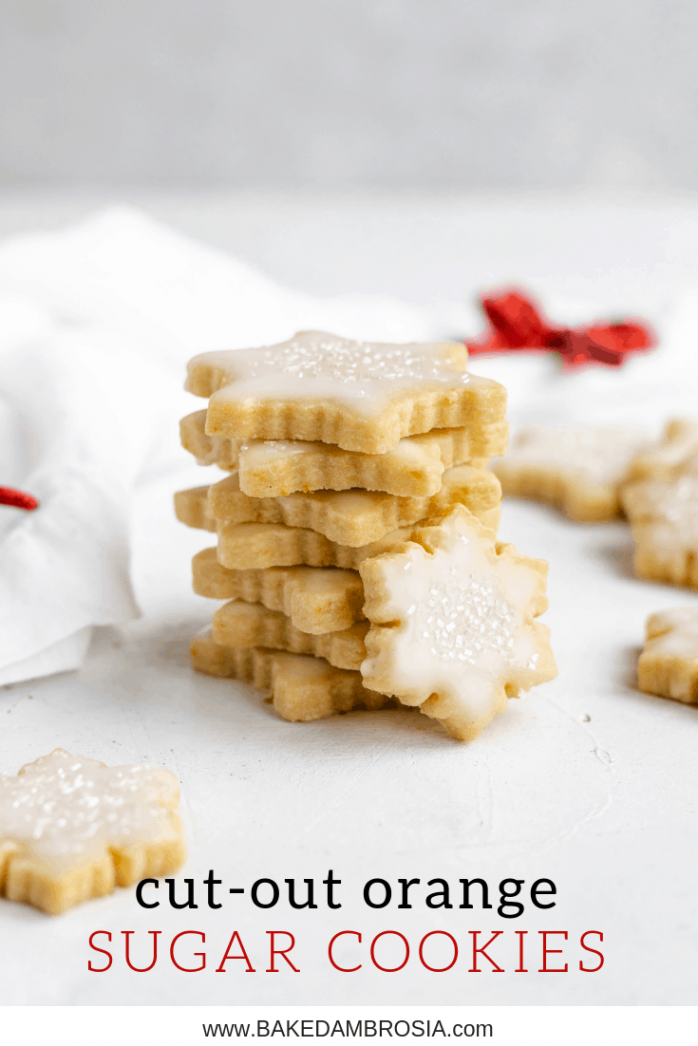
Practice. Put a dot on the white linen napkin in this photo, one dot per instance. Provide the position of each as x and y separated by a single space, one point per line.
96 325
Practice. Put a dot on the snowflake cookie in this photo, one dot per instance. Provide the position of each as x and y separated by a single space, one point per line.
579 469
316 599
452 627
662 506
363 396
668 664
302 688
413 468
72 828
349 517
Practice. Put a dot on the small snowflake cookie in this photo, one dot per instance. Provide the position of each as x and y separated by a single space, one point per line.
662 506
360 395
579 469
72 828
668 664
452 623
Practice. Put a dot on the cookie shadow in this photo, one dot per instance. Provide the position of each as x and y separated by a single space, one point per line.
626 670
619 557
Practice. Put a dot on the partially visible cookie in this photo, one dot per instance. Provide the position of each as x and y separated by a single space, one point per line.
662 506
316 599
668 664
353 517
675 455
72 828
253 546
244 546
239 624
208 450
413 468
303 688
362 396
191 508
452 623
580 469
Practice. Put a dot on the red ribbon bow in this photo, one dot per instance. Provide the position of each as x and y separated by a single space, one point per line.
516 323
17 499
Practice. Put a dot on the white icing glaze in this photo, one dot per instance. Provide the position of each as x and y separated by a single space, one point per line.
255 453
679 636
662 501
265 451
602 455
221 449
314 364
462 618
678 502
65 808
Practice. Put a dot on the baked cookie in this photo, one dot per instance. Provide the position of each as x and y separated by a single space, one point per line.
452 623
72 828
361 396
580 469
191 508
668 665
413 468
245 546
302 688
316 599
353 517
675 455
664 519
662 506
239 625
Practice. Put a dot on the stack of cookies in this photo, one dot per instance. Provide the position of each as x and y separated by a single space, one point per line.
356 531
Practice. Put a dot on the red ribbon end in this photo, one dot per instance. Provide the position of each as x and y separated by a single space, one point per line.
18 499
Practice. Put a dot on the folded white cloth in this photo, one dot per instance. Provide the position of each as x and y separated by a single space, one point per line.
96 325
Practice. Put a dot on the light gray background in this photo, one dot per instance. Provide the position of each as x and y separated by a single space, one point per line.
367 94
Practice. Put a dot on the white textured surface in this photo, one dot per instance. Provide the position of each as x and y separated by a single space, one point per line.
587 781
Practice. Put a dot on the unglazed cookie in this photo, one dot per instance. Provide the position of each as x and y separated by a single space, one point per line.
662 506
239 624
413 468
72 828
668 665
316 599
452 623
352 517
191 508
244 546
580 469
361 396
208 450
302 688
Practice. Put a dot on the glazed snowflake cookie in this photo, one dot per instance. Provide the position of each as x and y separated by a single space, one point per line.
662 506
452 623
668 664
414 468
578 468
362 396
72 828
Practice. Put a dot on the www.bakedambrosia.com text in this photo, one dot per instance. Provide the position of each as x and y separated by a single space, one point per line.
365 1028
